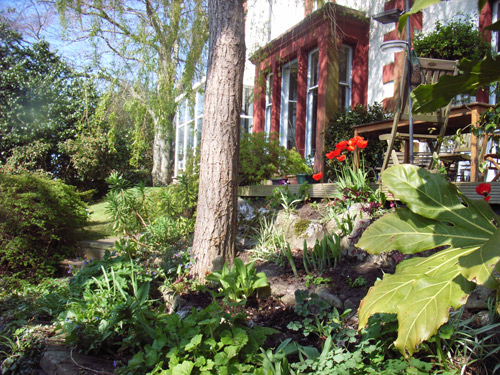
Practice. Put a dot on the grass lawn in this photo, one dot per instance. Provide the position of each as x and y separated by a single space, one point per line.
99 223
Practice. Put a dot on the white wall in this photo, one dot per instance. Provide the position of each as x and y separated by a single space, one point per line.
267 19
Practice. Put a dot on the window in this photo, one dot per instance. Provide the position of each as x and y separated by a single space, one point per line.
345 73
189 119
247 110
495 44
269 103
288 104
312 102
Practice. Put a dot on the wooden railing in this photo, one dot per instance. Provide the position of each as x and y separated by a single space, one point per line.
330 189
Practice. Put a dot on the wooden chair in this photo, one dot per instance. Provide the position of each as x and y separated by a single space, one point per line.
430 71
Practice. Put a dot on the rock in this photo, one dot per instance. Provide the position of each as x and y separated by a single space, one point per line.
289 300
217 264
478 299
349 304
482 318
60 360
245 210
297 229
332 299
264 292
271 270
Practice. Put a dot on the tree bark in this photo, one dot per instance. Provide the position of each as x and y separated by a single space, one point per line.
161 171
216 221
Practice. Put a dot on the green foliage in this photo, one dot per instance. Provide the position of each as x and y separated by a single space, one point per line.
283 197
271 242
323 255
438 216
316 280
262 157
42 100
474 73
239 282
353 187
24 311
109 307
457 39
209 341
39 219
156 219
358 282
340 127
318 316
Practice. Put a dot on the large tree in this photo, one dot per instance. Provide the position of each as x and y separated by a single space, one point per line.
216 221
151 48
43 99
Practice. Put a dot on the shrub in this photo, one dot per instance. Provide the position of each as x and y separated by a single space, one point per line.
38 222
340 128
262 157
457 39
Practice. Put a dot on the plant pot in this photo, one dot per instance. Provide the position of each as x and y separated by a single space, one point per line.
302 178
279 181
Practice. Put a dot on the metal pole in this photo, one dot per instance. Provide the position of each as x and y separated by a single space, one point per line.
410 103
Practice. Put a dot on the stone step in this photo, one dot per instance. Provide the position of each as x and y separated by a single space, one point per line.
60 360
87 251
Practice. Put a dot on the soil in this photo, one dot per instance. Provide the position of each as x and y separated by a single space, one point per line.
274 313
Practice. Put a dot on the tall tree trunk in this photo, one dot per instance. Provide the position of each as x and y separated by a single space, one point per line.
216 221
161 159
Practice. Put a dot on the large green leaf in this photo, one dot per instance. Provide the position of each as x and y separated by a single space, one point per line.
474 74
479 265
422 290
418 5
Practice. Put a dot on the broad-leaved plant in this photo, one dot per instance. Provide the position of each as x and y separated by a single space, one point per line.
423 289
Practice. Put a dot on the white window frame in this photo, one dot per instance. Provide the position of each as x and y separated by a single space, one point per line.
247 95
285 102
188 128
495 35
312 95
347 84
269 103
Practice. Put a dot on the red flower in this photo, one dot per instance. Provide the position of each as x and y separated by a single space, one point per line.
483 189
341 158
487 199
332 154
318 176
341 145
351 148
362 143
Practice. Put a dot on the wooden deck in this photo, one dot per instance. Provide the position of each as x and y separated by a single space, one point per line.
328 190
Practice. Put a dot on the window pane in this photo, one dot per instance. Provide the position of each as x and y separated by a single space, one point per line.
343 64
313 69
200 98
182 111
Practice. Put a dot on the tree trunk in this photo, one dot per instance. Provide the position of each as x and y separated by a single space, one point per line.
161 159
216 221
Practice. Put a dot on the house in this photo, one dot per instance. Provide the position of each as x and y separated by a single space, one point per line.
306 60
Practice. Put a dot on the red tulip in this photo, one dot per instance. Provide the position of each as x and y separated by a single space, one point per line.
318 176
341 145
362 143
351 148
341 158
483 189
332 154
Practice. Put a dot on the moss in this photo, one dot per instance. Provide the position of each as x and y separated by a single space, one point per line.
301 226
